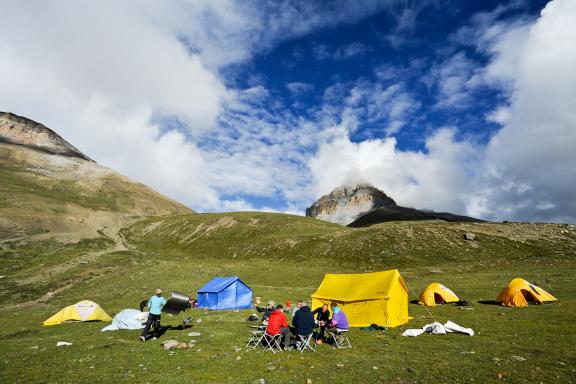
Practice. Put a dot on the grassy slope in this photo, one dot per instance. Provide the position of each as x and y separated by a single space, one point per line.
37 196
284 257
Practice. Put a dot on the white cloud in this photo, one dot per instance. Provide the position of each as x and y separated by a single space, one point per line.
299 88
454 80
535 147
389 105
417 179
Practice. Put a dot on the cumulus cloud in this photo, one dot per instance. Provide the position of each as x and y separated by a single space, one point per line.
421 179
534 153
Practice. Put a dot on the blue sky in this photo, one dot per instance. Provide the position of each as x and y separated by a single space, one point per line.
461 106
384 50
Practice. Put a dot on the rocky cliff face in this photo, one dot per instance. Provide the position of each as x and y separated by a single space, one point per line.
347 203
20 130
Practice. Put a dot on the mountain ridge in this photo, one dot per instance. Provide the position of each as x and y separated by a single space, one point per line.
20 130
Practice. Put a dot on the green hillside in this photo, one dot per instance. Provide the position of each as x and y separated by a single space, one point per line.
43 194
285 257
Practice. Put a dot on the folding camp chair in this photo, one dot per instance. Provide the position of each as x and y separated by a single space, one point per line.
305 342
255 338
271 342
340 337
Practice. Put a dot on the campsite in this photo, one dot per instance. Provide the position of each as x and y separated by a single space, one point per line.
531 344
288 192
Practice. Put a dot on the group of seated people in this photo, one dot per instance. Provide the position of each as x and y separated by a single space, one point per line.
304 321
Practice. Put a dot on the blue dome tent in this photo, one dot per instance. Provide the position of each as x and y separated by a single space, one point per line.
225 293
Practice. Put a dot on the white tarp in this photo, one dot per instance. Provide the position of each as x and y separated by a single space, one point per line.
413 332
127 319
438 329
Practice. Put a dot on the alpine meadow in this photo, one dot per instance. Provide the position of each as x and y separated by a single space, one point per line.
373 191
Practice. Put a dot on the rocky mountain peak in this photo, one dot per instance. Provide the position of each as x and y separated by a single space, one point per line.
20 130
346 203
363 205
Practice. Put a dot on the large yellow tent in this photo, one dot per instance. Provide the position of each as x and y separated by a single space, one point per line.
84 310
437 293
519 292
366 298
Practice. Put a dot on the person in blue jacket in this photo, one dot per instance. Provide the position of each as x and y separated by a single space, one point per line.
155 304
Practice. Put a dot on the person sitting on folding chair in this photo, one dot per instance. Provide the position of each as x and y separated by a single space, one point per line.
339 322
278 325
266 310
296 308
322 319
303 322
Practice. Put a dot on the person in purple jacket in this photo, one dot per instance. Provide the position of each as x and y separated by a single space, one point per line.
339 319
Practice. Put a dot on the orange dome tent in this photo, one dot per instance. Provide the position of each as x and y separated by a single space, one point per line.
520 292
436 293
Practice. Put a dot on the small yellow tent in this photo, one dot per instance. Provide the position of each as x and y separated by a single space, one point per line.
519 292
437 293
84 310
366 298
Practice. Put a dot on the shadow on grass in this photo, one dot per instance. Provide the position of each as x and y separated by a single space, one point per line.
165 328
488 302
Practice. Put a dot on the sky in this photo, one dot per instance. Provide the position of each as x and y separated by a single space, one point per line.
460 106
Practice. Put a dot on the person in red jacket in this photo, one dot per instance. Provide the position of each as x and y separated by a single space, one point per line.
278 325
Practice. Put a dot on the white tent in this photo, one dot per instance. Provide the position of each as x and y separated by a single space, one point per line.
127 319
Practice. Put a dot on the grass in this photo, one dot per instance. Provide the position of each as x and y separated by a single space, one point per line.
284 257
21 184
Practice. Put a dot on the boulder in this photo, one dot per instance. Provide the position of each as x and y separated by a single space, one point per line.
469 236
170 344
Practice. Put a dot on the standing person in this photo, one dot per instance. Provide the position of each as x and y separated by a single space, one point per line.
295 309
278 325
303 321
155 304
322 317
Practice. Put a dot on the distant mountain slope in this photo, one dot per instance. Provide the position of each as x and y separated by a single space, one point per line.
397 213
362 205
244 236
49 186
